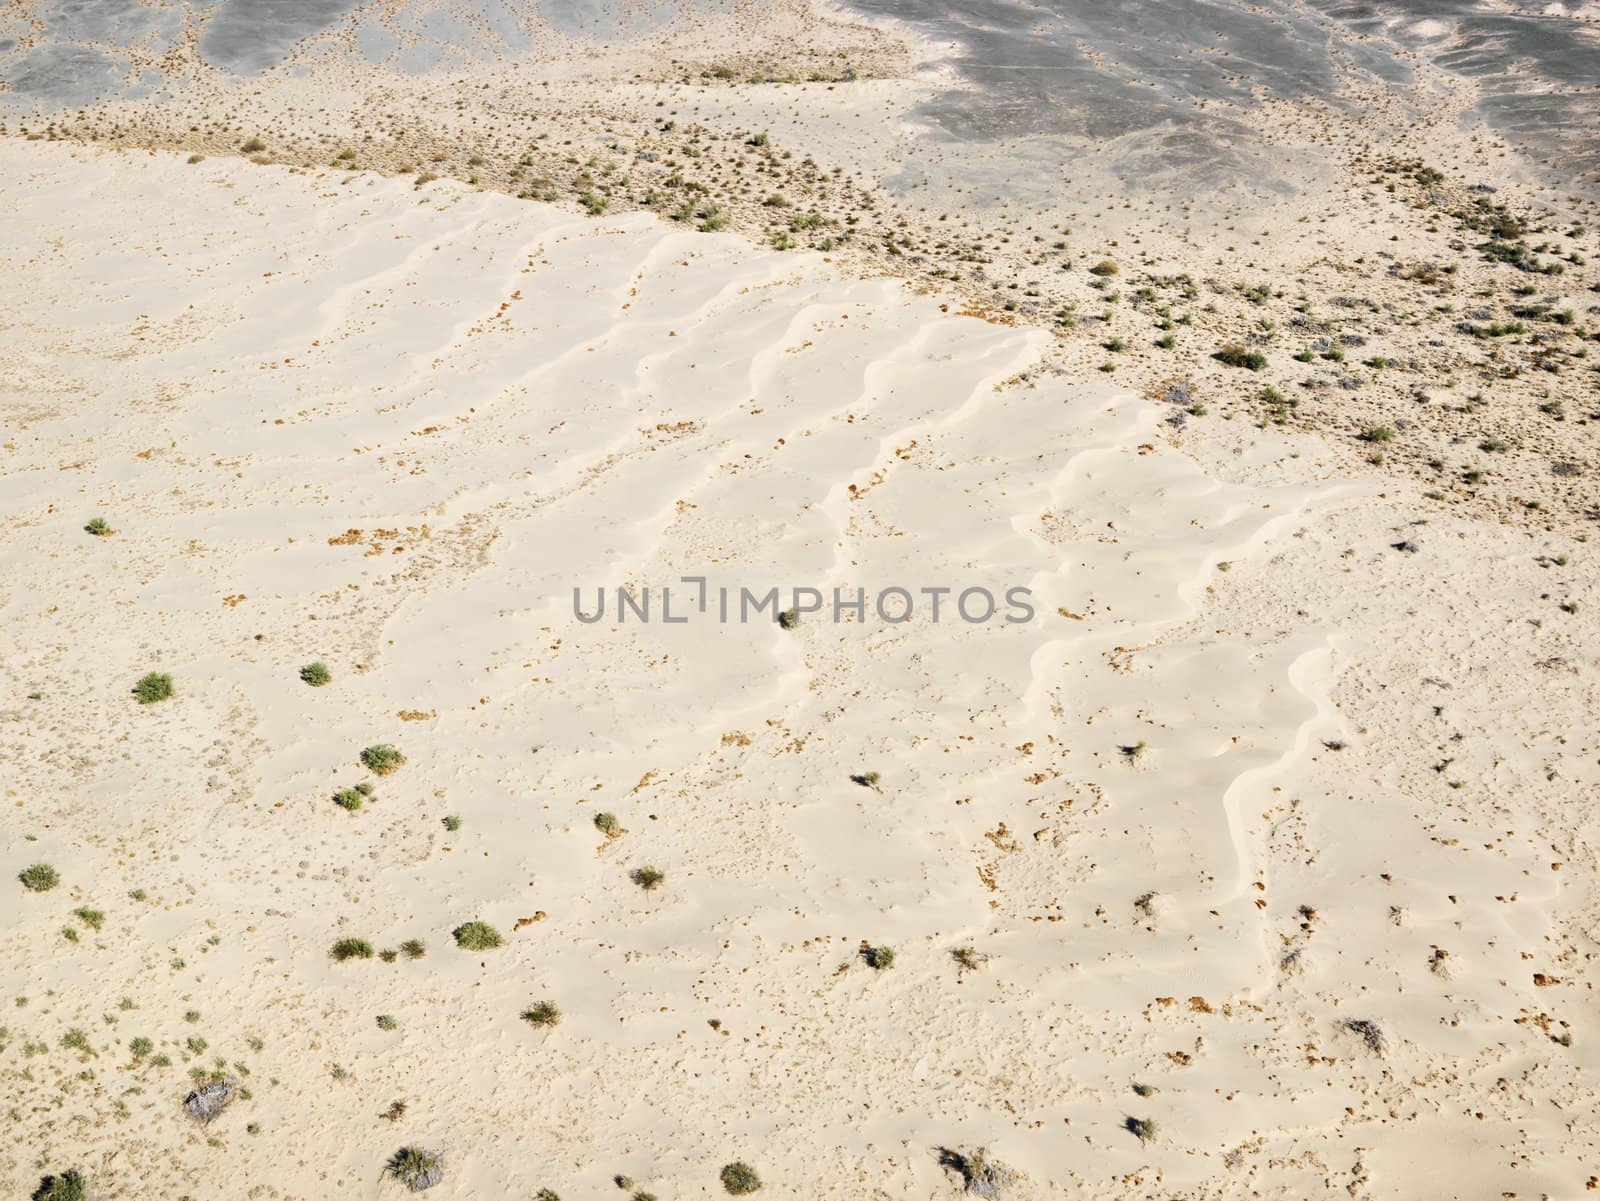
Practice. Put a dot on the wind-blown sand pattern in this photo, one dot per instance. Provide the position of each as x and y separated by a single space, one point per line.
1273 831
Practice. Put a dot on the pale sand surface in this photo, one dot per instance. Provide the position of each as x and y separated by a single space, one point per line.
1365 791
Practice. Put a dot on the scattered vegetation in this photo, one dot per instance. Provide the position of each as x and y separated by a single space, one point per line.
981 1174
542 1014
315 674
648 878
1144 1129
878 958
416 1167
1234 355
381 759
740 1178
39 877
69 1186
350 948
156 686
477 936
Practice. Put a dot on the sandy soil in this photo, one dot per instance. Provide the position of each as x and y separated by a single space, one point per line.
1262 863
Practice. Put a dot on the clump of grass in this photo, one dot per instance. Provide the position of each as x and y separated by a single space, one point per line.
968 959
99 527
878 958
451 823
387 1021
396 1111
981 1174
788 619
69 1186
413 948
1370 1033
140 1047
416 1167
1105 268
648 878
542 1014
607 824
92 918
381 759
1144 1129
1377 433
156 686
350 948
740 1178
316 674
253 146
868 779
477 936
40 877
1234 355
348 799
1133 751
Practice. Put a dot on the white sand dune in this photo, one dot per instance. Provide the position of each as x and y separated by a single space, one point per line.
336 418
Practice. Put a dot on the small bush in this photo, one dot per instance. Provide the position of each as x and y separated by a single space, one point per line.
69 1186
413 948
878 958
382 759
607 824
253 146
387 1021
98 527
648 878
416 1168
350 948
156 686
1105 268
1144 1129
315 674
41 877
477 936
1377 433
867 779
140 1047
348 799
740 1178
981 1174
451 823
92 918
543 1014
1234 355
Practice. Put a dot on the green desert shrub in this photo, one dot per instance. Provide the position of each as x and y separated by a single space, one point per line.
381 759
542 1013
348 799
477 936
98 527
253 146
1104 269
416 1167
1234 355
607 824
350 948
92 918
740 1178
69 1186
156 686
40 877
315 674
878 958
413 948
1144 1129
648 878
